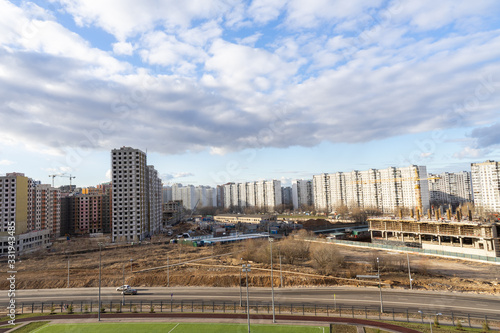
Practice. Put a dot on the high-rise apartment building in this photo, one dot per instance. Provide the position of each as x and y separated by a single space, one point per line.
136 195
46 208
286 195
191 196
263 195
321 190
486 185
15 197
302 193
385 189
34 217
450 188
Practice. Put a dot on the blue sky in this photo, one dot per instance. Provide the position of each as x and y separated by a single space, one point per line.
223 90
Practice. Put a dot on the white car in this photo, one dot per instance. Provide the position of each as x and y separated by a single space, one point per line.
124 287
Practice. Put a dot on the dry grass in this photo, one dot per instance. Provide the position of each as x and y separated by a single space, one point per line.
50 270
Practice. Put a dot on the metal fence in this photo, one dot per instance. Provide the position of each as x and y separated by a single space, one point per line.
298 309
419 250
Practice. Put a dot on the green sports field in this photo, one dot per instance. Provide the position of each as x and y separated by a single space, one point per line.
177 328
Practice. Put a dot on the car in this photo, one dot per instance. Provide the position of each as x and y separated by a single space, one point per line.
129 292
122 288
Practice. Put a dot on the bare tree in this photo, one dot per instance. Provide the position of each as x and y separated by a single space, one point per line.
294 249
326 259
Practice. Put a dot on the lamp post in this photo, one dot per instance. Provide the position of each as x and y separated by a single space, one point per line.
380 287
409 272
168 271
123 294
246 269
99 310
68 271
240 286
281 276
272 282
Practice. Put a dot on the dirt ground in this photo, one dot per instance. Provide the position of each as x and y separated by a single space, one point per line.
51 270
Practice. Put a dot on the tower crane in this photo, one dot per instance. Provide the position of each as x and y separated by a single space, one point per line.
62 175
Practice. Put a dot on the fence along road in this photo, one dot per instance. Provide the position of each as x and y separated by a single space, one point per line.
478 305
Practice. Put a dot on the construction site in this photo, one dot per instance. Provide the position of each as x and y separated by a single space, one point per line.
453 236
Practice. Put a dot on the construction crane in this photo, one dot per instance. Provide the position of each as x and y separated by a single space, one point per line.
62 175
53 176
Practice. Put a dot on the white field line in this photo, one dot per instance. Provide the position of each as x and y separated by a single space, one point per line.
174 328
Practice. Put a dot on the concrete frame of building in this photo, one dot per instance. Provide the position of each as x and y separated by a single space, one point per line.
459 237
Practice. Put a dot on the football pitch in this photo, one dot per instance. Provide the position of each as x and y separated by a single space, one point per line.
178 328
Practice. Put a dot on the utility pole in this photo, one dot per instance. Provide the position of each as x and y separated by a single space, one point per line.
68 272
272 282
380 287
409 272
123 291
246 268
281 276
99 310
168 271
240 286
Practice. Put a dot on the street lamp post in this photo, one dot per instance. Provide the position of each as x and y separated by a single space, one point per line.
272 281
246 269
123 294
281 276
68 272
380 287
168 271
409 272
99 310
240 286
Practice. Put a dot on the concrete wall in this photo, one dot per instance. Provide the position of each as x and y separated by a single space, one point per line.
457 249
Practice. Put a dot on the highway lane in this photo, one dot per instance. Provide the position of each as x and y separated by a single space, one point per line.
399 299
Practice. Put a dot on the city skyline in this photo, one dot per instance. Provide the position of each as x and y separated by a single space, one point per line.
230 91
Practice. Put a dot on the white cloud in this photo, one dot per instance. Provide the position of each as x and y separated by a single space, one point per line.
198 90
470 152
127 18
123 48
6 162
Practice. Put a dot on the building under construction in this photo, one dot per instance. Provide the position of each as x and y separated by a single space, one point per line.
468 237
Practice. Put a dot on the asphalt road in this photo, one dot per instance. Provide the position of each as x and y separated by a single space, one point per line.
398 299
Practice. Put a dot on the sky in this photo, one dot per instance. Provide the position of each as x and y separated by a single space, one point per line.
226 90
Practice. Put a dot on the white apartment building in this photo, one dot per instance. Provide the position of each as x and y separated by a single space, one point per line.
205 196
166 194
486 185
264 195
136 192
450 188
385 189
321 189
250 195
242 195
272 194
302 193
228 195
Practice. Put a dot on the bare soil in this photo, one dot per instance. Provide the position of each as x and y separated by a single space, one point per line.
50 270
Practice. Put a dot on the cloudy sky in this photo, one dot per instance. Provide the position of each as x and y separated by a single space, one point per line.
227 90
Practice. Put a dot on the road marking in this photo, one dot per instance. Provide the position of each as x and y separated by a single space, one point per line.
174 328
38 329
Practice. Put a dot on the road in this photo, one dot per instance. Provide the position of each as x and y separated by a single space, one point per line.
345 296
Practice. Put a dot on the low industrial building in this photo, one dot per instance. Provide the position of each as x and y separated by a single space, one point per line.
28 242
465 237
250 219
